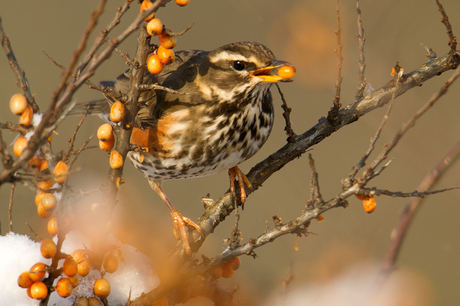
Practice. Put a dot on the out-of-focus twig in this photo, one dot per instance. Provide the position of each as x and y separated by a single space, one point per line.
10 209
362 66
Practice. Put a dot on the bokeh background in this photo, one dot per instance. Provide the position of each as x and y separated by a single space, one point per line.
301 32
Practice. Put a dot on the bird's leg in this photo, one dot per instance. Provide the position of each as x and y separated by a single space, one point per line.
242 179
179 221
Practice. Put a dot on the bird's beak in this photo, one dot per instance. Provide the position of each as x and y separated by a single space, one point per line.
270 72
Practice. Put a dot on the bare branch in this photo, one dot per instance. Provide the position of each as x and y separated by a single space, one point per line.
287 117
10 209
399 232
452 39
362 66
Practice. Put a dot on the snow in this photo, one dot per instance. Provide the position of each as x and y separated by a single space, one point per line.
19 253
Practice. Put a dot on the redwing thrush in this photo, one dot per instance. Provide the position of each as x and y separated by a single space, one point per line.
218 114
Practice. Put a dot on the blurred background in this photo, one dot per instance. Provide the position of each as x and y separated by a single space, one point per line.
301 32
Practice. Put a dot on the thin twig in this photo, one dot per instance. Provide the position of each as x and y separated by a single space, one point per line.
445 20
37 236
332 114
10 209
77 53
362 66
399 232
287 117
21 79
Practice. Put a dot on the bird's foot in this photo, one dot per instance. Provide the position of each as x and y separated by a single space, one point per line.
233 173
180 231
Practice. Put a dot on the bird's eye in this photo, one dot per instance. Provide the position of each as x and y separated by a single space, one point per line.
239 65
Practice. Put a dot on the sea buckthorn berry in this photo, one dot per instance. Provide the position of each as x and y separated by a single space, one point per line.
53 227
60 172
230 267
154 65
110 263
226 273
36 160
94 301
161 302
360 197
27 115
217 271
78 254
166 55
37 272
74 280
45 185
105 132
167 41
369 204
18 104
116 160
64 287
42 212
286 72
106 145
144 6
39 196
19 145
117 112
83 266
48 248
44 165
49 201
154 27
70 267
102 288
182 2
38 290
24 280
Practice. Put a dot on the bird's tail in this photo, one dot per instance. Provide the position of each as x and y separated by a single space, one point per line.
96 107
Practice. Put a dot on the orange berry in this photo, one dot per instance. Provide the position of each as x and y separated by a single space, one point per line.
360 197
286 72
182 2
116 160
49 201
37 272
45 185
154 65
78 254
117 112
161 302
24 280
39 196
106 145
102 288
42 212
369 204
167 41
74 280
166 55
44 165
19 145
18 104
64 287
60 171
94 301
154 27
83 266
36 160
27 115
53 227
144 6
48 248
226 273
38 290
70 267
105 132
217 271
234 264
110 263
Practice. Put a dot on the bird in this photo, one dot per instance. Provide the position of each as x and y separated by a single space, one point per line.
210 111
